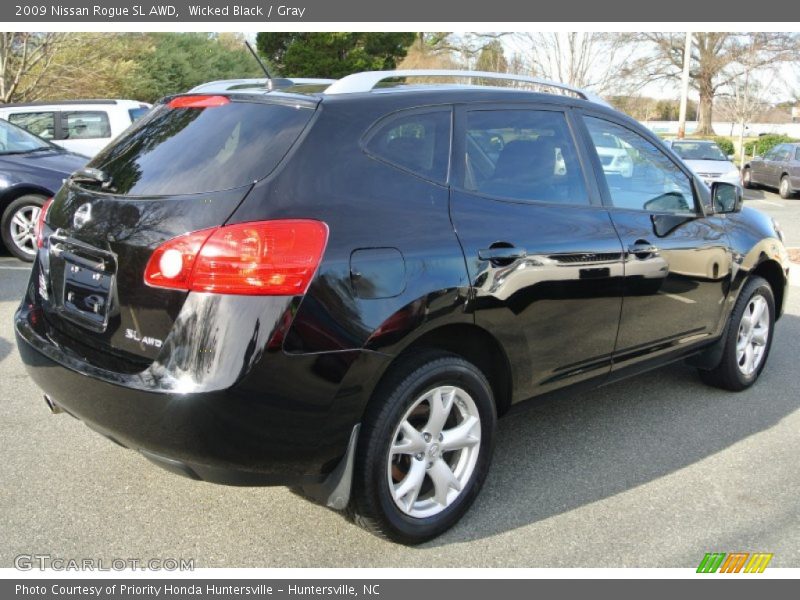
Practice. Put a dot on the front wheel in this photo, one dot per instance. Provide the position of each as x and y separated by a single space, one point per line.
424 449
748 339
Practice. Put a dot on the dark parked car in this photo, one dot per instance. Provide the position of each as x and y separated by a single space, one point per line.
31 170
778 168
341 291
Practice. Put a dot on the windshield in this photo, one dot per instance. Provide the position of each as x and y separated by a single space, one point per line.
698 151
15 140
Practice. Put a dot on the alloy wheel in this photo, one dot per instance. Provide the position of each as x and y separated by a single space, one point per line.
23 228
434 451
753 335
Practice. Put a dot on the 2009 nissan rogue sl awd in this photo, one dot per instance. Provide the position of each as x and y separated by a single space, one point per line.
340 290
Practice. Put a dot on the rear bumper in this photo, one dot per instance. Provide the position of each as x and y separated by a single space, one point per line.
286 421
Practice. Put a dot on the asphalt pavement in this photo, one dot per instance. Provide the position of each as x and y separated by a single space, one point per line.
654 471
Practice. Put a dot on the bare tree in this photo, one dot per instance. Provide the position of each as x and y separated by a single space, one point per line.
717 59
593 60
25 59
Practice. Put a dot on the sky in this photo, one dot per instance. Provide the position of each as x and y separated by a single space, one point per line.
778 87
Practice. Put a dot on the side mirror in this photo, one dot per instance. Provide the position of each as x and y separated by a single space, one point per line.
731 157
726 197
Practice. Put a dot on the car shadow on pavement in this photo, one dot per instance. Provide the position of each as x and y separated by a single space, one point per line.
5 348
755 194
557 455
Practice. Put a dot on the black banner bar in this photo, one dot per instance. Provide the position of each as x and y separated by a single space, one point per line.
393 589
447 11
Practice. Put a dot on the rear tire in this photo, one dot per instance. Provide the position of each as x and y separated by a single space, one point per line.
785 189
418 469
748 339
17 226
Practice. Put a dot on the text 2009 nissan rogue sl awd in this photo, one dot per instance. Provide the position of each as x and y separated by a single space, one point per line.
340 290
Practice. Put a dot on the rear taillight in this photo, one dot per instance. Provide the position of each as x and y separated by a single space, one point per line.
39 229
172 263
269 258
197 101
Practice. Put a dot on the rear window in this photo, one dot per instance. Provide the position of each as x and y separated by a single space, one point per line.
191 150
418 142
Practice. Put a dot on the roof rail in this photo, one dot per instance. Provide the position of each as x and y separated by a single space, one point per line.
232 85
366 82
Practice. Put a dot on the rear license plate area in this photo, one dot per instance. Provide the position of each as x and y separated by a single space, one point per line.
88 285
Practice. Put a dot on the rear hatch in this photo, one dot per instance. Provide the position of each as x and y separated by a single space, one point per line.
184 167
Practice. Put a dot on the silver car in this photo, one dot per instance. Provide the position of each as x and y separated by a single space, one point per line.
778 168
706 159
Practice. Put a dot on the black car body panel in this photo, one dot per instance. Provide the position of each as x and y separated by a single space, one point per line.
268 389
225 404
124 231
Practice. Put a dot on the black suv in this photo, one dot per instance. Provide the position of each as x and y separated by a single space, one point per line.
340 290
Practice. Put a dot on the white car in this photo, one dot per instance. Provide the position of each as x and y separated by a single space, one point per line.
614 156
706 159
81 126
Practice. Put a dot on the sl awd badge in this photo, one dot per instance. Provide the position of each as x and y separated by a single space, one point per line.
145 340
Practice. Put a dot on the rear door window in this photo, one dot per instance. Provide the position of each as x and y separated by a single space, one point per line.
86 125
42 124
417 141
191 150
526 155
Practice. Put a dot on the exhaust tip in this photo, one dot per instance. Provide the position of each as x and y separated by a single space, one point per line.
55 409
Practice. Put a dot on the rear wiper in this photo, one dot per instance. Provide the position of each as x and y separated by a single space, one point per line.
90 176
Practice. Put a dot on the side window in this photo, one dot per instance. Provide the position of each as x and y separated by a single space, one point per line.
86 125
523 155
797 154
418 142
777 153
137 113
639 175
42 124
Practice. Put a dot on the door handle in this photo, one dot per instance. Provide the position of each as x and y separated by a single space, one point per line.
642 249
502 253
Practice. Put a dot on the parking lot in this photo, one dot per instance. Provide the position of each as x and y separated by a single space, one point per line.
654 471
